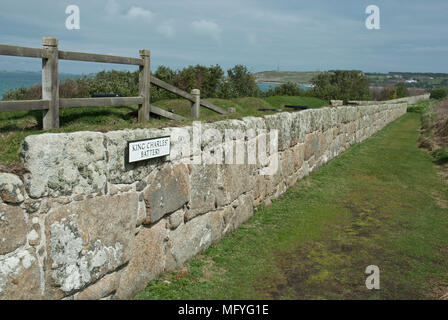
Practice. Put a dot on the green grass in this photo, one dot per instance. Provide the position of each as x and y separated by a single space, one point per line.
15 126
440 155
380 203
281 101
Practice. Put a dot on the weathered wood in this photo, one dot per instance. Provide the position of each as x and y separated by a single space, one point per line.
93 57
210 106
24 105
16 51
50 83
162 84
166 114
195 106
99 102
50 102
144 86
181 93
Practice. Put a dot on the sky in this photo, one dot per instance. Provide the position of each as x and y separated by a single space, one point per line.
291 35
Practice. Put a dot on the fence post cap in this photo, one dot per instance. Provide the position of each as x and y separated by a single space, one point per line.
50 41
145 53
195 92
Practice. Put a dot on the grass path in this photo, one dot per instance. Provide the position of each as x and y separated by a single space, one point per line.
380 203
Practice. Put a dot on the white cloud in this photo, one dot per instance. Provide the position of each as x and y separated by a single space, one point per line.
138 12
114 11
166 29
208 28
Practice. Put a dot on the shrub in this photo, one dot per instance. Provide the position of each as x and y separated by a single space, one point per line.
210 80
341 85
401 90
124 83
242 83
285 89
438 93
440 155
382 93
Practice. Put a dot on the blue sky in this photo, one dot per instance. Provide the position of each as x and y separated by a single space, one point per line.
294 35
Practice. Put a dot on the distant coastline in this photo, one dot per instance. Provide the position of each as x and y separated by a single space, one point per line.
269 82
266 85
423 80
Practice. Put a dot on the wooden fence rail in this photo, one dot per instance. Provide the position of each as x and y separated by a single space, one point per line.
51 103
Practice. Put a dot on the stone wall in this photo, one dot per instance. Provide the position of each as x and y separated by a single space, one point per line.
408 100
84 224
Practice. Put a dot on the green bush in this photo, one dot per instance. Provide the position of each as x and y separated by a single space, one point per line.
285 89
438 93
341 85
242 83
70 88
124 83
16 94
401 90
212 82
440 155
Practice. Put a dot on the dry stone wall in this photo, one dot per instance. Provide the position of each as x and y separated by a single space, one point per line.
408 100
85 224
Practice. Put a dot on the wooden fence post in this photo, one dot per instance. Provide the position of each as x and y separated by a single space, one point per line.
195 111
144 109
50 83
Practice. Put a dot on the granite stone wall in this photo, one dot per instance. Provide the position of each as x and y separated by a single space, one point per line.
408 100
85 224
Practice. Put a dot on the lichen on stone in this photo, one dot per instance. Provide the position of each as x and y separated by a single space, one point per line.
75 265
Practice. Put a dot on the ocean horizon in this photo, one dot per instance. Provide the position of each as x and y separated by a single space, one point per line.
16 79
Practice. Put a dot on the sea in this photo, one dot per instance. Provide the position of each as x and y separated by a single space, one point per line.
16 79
266 86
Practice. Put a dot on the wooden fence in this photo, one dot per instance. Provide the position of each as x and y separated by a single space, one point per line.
51 103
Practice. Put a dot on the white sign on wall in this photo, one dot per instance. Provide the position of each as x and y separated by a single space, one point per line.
148 149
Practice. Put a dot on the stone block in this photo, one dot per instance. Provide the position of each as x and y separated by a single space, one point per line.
241 213
168 191
283 123
298 154
88 239
233 180
203 182
312 146
193 237
65 163
20 276
11 188
13 228
101 289
147 261
176 219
